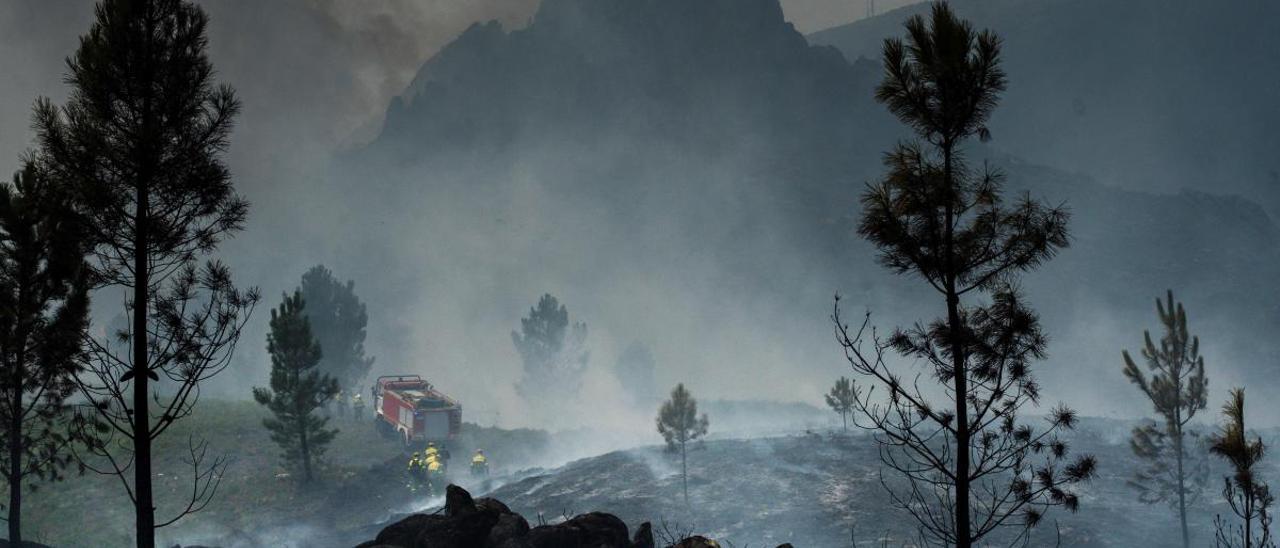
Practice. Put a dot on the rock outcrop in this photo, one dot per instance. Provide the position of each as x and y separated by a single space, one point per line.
488 523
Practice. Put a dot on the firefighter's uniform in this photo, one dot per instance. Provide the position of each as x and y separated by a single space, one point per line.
479 464
357 406
435 474
417 472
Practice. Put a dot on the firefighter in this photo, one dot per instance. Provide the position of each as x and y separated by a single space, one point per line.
431 449
417 472
435 474
342 404
357 406
479 464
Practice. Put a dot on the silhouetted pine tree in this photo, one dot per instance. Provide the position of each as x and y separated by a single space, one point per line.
298 388
1250 497
44 308
140 141
841 398
1177 389
338 321
970 467
679 424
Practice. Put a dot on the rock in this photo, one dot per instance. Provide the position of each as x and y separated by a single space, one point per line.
457 501
488 523
402 533
510 531
785 545
467 530
593 530
487 504
644 536
696 541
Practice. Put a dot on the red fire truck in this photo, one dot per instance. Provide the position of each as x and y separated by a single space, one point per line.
410 409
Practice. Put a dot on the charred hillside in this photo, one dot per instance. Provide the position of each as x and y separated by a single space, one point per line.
805 490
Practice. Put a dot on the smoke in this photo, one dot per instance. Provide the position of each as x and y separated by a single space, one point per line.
696 257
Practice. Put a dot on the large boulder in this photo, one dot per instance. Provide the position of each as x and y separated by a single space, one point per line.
488 523
644 536
593 530
696 541
402 533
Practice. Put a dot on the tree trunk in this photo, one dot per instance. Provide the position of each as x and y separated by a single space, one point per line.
1182 494
144 504
844 418
1178 436
304 414
684 472
15 464
1248 517
306 452
961 384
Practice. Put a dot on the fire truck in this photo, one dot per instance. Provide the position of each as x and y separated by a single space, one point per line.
410 409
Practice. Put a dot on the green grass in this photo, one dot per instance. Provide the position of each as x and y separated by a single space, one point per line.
256 490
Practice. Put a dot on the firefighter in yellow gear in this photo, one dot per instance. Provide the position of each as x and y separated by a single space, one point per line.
479 464
417 472
431 449
357 407
435 474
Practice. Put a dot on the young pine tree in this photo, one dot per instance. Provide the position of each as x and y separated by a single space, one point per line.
1250 497
679 424
841 398
1172 471
140 143
298 389
43 317
970 467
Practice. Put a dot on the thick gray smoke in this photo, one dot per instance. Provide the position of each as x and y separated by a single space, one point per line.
690 247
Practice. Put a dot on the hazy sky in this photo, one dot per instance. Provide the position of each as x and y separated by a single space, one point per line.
382 44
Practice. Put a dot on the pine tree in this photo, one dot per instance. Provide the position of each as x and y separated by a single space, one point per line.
44 307
841 399
338 320
1177 389
1250 498
679 424
552 350
140 143
298 388
970 467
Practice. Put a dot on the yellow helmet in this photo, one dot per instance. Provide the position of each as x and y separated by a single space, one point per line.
431 444
415 453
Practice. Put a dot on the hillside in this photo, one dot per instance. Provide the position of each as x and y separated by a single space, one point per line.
820 490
